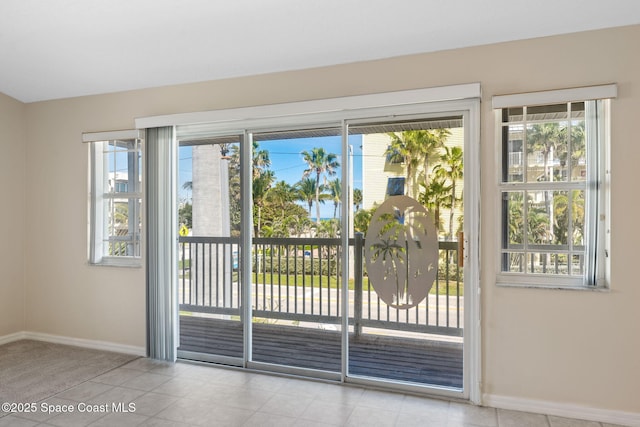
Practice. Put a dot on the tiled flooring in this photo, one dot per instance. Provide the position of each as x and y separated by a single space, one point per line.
183 394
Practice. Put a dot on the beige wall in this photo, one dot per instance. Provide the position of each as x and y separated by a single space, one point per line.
12 225
568 347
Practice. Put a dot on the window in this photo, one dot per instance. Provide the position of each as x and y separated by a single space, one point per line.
553 188
116 198
395 186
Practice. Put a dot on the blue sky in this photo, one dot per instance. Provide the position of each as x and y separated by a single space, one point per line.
287 162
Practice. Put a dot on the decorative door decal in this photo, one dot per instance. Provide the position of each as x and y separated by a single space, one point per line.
401 252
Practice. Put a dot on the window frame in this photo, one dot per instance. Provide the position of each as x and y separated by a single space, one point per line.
98 225
597 243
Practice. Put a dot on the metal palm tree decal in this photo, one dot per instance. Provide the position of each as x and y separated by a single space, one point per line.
401 252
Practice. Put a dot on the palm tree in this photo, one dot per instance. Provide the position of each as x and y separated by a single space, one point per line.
259 160
451 169
357 198
434 196
320 163
281 194
362 218
516 217
578 146
415 147
328 228
562 209
537 225
335 188
306 191
260 186
545 138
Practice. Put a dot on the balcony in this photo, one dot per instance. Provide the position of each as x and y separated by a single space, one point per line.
297 309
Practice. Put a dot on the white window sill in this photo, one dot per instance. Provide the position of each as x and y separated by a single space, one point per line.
118 262
558 286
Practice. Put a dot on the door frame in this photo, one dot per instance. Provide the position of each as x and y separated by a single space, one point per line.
469 109
463 99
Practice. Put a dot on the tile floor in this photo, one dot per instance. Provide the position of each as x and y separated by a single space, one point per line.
184 394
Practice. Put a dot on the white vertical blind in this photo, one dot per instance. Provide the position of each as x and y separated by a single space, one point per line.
162 306
594 206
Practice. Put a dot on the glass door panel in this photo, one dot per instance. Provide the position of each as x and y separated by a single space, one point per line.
209 281
296 250
407 303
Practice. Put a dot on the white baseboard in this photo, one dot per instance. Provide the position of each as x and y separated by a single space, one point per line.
78 342
562 410
6 339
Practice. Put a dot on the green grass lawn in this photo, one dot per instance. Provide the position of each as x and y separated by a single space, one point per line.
316 281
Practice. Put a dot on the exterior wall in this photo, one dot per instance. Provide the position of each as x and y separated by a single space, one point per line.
573 348
374 183
376 171
12 224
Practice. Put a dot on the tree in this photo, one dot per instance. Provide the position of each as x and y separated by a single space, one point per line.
260 185
281 194
185 215
306 191
322 164
328 228
578 147
235 201
357 198
562 209
259 160
335 189
544 138
537 224
413 148
451 169
262 179
434 196
362 218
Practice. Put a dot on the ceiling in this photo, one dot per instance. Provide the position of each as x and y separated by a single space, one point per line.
51 49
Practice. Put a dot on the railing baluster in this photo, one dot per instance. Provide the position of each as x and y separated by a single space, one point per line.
211 272
295 273
312 275
304 279
224 276
264 278
238 273
447 281
182 246
358 275
369 300
339 283
458 294
270 277
255 282
288 274
279 279
320 275
438 302
195 284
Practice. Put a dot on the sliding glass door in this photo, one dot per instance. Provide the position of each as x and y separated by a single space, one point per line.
408 298
332 248
210 283
296 253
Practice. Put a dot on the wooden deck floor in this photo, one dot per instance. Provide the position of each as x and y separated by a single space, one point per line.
404 359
